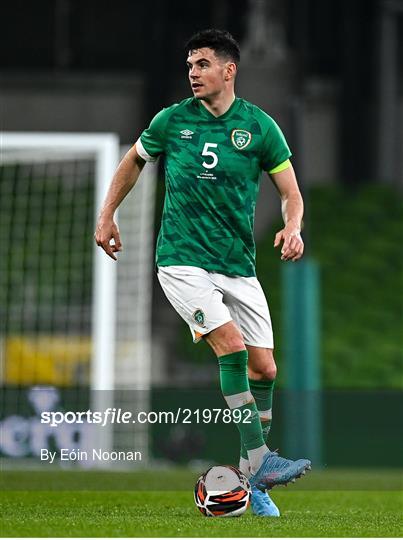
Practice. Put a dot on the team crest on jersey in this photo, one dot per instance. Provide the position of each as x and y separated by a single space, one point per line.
240 138
198 316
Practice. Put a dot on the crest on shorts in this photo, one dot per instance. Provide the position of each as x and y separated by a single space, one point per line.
198 316
240 138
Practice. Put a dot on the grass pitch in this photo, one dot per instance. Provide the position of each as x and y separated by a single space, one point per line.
40 510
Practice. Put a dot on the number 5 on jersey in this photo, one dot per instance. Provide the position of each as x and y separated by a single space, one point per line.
209 153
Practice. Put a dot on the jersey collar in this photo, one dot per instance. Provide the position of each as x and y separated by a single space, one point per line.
207 114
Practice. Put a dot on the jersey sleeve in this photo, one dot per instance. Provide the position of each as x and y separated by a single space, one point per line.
151 143
275 150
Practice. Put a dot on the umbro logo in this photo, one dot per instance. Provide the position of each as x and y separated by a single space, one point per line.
186 134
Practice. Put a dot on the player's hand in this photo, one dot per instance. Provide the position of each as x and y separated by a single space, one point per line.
293 245
105 232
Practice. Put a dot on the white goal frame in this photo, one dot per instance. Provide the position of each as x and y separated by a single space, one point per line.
104 147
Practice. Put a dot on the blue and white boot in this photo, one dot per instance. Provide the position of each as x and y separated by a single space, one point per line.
276 470
262 505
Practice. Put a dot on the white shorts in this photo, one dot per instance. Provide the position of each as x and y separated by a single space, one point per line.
207 300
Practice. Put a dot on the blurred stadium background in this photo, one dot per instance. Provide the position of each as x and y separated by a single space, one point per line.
331 74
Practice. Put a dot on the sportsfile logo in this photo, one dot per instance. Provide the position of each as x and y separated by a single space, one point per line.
113 415
186 134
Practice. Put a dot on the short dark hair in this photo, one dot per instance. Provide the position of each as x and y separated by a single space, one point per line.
220 41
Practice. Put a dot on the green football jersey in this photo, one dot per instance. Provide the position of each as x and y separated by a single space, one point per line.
213 167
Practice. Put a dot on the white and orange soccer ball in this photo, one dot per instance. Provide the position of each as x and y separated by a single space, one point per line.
222 491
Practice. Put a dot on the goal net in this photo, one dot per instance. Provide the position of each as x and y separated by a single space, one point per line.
75 327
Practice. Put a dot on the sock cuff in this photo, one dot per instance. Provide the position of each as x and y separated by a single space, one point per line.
239 357
262 384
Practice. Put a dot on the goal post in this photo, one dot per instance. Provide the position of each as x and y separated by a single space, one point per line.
71 319
105 149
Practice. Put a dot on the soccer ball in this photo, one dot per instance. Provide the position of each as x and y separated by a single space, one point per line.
222 491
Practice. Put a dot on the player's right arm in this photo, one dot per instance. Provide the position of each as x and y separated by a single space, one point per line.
148 147
124 179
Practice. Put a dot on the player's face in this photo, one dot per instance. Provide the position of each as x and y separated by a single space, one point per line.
207 73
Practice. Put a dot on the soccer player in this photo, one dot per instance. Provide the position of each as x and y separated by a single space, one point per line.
215 146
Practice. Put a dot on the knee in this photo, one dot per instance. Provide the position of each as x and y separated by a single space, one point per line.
235 342
262 366
226 339
231 345
269 372
264 372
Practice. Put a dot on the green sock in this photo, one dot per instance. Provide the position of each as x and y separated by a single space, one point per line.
262 391
235 387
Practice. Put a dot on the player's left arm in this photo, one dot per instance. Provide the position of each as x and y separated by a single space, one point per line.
292 208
